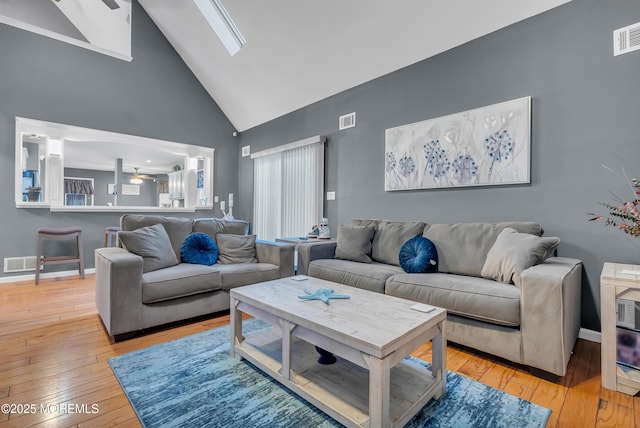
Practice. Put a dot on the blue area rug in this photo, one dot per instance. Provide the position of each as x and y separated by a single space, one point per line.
192 382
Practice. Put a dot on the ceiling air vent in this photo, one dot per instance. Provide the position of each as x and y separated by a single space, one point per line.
347 121
626 39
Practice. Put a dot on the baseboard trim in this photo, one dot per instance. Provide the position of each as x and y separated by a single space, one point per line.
591 335
32 277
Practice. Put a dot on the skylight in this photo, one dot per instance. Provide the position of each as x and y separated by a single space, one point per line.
220 21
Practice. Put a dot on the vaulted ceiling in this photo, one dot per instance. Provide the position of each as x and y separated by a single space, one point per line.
298 52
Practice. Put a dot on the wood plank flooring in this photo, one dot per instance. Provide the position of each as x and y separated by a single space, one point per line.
53 352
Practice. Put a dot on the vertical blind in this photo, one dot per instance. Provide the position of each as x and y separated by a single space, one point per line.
288 189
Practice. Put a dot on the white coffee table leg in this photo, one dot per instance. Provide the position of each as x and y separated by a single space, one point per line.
379 392
439 363
286 328
236 328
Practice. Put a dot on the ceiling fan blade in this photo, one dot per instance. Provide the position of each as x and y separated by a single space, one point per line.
136 174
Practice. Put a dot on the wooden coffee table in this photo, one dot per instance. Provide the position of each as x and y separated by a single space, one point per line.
371 384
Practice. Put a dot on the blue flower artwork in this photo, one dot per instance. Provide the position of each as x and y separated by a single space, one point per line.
406 166
499 146
486 146
437 161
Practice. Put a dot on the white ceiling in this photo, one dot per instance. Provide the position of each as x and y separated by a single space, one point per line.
301 51
90 24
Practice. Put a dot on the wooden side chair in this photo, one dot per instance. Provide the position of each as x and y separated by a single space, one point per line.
111 236
59 233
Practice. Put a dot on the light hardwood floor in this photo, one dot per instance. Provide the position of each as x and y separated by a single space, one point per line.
53 351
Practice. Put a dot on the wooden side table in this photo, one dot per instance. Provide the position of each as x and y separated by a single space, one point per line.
617 281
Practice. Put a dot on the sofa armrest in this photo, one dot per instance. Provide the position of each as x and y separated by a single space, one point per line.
550 313
278 254
118 276
310 252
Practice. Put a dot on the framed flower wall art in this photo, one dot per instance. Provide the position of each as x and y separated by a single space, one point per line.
485 146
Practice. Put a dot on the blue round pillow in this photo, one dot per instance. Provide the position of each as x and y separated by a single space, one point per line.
419 255
199 248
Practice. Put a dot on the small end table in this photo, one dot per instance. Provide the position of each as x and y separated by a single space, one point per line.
618 281
301 240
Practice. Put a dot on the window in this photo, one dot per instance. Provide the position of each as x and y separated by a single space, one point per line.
78 191
288 186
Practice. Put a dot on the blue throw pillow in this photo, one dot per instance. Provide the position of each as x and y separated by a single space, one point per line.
419 255
199 248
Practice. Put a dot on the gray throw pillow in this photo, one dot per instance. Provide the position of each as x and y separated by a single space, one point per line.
514 252
234 249
354 243
152 244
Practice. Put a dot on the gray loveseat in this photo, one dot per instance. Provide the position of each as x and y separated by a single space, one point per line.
533 321
130 299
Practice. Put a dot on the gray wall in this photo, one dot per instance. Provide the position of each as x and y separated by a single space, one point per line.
584 113
154 96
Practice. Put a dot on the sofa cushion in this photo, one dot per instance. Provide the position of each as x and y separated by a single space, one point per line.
237 275
213 226
365 222
476 298
354 243
209 226
199 248
177 227
463 247
236 248
152 244
236 227
369 276
390 236
419 255
179 281
514 252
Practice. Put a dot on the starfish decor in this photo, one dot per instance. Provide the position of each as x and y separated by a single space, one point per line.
323 294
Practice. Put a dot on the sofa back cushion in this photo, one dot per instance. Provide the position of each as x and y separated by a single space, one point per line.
208 226
213 226
389 238
365 222
463 247
236 227
178 228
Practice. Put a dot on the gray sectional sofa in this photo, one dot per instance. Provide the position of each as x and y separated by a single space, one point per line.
533 319
131 298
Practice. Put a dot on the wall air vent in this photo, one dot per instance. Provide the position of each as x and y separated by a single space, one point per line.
347 121
626 39
20 264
